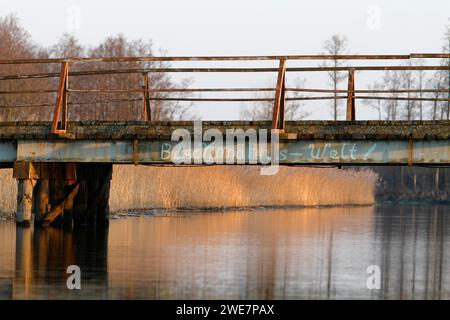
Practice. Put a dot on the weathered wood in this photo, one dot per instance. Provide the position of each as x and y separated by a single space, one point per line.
147 112
80 204
61 100
58 209
218 70
57 196
281 123
68 208
44 170
24 202
243 90
227 58
93 194
351 96
102 218
23 170
279 97
42 200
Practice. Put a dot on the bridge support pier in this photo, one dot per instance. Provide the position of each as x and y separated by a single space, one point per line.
91 205
41 201
65 194
24 202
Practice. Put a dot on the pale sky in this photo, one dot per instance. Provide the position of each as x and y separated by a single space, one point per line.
251 27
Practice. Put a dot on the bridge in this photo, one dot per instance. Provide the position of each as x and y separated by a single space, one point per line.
64 166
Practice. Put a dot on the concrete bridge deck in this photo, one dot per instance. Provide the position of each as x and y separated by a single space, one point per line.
303 142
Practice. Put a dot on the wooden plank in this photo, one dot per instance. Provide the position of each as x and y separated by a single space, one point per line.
146 98
21 170
351 96
219 58
55 212
248 90
227 58
218 70
42 200
61 96
278 94
281 123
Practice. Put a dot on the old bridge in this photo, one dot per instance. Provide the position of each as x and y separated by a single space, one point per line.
64 167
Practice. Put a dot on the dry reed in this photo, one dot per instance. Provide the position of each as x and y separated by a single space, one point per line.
145 187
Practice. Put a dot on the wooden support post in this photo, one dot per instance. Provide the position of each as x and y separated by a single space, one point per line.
57 196
24 202
92 189
147 111
351 96
61 101
91 205
68 207
80 204
102 218
410 151
279 97
281 123
42 201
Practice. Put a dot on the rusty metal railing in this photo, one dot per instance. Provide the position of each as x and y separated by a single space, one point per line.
60 114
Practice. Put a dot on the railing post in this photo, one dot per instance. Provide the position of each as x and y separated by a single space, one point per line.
147 111
61 101
351 96
279 104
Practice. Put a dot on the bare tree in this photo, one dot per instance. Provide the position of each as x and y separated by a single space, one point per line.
16 43
376 104
118 105
263 110
335 45
408 82
67 47
392 81
421 80
436 83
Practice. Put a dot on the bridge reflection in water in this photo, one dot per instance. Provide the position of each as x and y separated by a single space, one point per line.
263 254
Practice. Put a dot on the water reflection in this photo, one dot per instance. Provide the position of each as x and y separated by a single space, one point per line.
37 268
264 254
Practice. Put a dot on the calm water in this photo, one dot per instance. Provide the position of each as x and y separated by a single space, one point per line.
260 254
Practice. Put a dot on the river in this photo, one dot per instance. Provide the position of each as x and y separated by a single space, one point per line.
298 253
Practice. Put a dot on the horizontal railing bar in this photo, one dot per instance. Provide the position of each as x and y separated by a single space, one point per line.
401 98
176 90
429 55
230 58
198 70
224 90
232 100
253 90
28 91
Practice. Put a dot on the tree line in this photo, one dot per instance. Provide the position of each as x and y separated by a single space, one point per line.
412 108
16 43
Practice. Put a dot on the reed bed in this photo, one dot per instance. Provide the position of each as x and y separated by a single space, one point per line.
147 187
